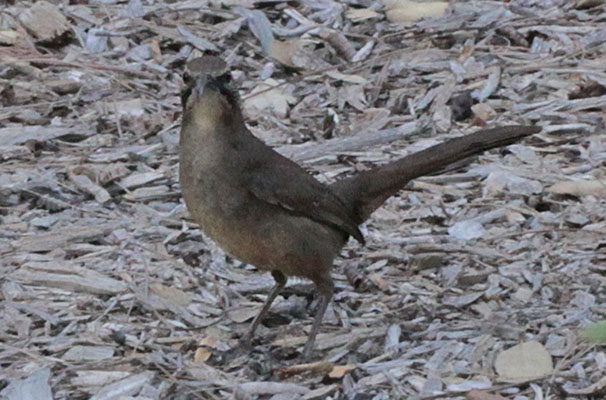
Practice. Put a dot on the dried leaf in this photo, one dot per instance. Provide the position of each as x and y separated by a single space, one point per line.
202 355
524 362
339 371
410 11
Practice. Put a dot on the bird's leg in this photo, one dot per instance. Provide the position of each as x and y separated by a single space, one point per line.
324 289
280 283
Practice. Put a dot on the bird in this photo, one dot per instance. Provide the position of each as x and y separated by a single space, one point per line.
266 210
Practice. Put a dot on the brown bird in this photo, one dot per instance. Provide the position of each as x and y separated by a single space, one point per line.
266 210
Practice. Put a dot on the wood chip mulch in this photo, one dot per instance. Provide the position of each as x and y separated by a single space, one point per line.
475 284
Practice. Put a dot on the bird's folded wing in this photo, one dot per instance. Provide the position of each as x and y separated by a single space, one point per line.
289 187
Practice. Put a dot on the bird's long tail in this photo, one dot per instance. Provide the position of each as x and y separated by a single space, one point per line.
366 191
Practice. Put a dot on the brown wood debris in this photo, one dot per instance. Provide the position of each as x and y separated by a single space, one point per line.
109 291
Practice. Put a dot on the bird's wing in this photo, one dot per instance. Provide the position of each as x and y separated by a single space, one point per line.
284 183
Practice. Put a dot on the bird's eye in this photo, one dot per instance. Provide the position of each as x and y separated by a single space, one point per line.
224 83
224 86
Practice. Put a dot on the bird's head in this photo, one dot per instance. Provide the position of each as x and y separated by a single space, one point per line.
209 98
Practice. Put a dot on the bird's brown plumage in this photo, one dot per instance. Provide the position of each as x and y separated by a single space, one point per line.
267 211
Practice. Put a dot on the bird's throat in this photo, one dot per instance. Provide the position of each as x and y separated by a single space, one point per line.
208 115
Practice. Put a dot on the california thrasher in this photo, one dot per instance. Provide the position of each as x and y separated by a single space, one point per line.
266 210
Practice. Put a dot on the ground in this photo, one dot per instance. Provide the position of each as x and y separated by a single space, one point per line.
476 283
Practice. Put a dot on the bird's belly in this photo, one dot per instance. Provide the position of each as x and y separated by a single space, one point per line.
226 214
261 234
